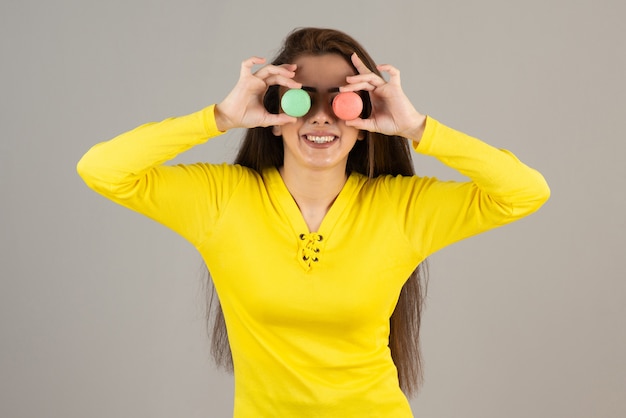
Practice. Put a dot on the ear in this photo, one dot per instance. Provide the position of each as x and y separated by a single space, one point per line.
277 130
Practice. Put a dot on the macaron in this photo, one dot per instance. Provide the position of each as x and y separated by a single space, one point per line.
347 105
295 102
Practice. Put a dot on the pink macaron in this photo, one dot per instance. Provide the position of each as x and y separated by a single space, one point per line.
347 105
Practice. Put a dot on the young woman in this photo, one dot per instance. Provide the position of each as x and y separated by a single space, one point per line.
315 236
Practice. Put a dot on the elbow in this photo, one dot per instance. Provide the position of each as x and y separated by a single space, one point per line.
89 172
535 199
84 170
544 195
541 191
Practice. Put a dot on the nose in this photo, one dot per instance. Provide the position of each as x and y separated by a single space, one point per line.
321 111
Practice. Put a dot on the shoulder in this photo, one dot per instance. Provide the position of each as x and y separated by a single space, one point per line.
222 175
394 184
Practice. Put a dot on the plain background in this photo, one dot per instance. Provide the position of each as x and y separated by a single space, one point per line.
101 310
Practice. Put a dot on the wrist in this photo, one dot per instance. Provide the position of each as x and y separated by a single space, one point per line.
417 128
221 121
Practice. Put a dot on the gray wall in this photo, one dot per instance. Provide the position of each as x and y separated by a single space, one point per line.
101 309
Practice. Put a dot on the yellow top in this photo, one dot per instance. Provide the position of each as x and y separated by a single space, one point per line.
308 311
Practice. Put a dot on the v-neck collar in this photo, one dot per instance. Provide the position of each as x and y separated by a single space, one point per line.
278 190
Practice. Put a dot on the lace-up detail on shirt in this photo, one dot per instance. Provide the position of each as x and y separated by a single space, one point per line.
309 248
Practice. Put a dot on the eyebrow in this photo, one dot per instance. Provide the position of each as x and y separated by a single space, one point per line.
314 90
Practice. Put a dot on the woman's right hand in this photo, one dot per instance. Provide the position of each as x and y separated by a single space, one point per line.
243 106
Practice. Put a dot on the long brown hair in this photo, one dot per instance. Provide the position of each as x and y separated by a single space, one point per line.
376 155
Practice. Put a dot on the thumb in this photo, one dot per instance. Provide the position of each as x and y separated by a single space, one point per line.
362 124
279 119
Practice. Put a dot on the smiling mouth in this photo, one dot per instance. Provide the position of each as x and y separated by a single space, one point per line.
320 139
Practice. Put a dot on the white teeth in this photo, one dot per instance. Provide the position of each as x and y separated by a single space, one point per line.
320 139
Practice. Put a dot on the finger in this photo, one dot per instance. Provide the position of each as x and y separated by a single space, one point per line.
282 81
362 124
278 119
290 67
359 64
269 70
357 87
371 78
246 65
394 73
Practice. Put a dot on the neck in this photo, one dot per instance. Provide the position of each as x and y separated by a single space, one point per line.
314 191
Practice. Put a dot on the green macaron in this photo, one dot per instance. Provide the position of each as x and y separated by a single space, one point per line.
296 102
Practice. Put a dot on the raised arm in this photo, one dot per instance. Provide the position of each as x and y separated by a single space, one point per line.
436 213
501 189
130 168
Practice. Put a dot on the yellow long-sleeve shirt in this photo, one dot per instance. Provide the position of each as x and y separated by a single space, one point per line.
308 311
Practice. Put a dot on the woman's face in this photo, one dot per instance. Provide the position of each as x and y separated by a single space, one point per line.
319 140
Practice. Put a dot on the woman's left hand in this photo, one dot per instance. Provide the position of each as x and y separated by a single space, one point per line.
392 112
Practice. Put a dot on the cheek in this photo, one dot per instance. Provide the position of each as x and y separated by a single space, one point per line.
349 132
290 130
